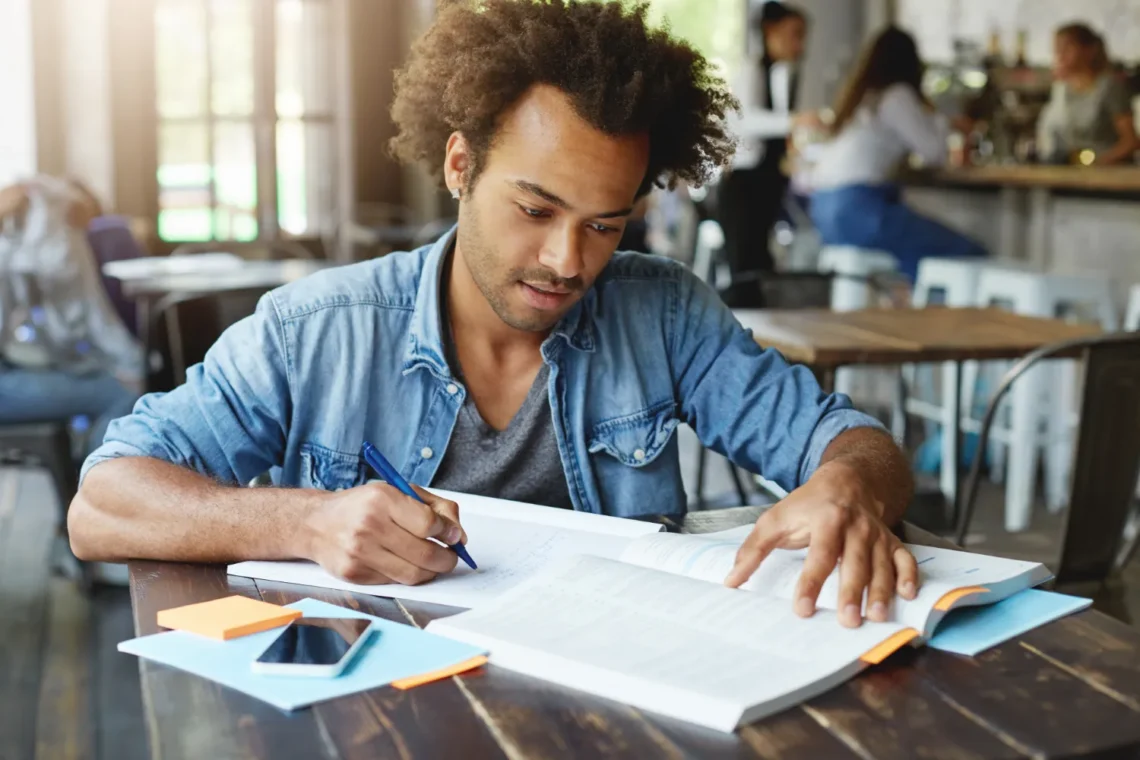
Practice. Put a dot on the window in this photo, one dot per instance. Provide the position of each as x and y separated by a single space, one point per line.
714 27
246 137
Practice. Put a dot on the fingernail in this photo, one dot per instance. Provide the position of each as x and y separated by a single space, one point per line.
851 612
804 607
878 611
908 588
452 535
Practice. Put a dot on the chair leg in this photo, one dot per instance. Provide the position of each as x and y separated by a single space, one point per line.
736 482
1023 451
1059 452
700 502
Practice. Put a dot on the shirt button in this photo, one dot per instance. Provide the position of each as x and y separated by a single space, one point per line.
639 454
452 388
426 452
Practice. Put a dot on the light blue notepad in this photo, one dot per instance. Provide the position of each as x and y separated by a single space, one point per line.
972 630
400 651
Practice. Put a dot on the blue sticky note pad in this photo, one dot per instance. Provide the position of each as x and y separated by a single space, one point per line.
399 651
972 630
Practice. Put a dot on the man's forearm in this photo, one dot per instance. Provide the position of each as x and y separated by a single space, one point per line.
142 508
879 463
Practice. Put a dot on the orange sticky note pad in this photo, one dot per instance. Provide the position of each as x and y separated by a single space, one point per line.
228 618
436 675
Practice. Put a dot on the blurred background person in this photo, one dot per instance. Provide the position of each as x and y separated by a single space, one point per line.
1089 107
64 352
750 195
881 118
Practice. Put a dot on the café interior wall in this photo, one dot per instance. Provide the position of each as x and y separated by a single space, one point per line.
17 128
937 23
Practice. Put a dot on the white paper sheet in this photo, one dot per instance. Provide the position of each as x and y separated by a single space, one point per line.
509 542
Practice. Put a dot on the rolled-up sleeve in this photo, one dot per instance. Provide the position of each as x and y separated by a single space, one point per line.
748 403
229 419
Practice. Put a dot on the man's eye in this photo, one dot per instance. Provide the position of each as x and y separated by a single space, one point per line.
602 228
533 213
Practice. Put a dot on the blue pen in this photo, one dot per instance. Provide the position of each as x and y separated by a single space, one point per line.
385 470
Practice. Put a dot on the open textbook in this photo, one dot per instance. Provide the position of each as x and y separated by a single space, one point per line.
510 542
657 629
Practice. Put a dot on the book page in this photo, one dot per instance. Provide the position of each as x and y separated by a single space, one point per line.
507 550
710 557
643 631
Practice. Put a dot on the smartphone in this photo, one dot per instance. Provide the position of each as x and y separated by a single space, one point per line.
320 647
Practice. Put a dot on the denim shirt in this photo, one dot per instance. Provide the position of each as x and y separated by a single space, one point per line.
355 353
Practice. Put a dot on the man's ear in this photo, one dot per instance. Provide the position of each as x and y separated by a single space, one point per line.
456 162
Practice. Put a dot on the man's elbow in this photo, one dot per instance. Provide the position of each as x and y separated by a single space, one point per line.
87 526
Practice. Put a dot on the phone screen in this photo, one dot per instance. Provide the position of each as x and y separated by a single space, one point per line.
315 641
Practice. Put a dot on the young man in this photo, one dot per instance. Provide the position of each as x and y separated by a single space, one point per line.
516 357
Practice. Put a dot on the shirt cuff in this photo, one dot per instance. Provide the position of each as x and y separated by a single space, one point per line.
110 450
830 426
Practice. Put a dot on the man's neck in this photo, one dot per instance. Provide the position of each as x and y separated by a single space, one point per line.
474 323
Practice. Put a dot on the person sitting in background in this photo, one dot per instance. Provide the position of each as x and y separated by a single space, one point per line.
1089 109
882 118
750 196
64 352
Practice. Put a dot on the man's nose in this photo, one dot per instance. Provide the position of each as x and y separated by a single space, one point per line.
562 252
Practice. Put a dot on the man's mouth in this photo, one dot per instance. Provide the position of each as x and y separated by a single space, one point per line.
545 296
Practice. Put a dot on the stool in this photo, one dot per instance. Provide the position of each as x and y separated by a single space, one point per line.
852 290
957 280
1039 294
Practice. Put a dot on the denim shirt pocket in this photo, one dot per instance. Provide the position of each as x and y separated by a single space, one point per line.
636 440
330 470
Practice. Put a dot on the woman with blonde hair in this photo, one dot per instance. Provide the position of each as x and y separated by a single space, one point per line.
1089 109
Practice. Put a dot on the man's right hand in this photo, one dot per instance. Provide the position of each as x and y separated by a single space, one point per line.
375 534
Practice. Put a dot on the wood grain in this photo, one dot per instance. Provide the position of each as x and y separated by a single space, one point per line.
190 717
388 722
25 542
64 730
827 339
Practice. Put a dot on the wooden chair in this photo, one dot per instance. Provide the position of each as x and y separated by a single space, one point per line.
1100 535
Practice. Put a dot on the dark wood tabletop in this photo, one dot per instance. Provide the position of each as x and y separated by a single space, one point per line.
825 339
1071 688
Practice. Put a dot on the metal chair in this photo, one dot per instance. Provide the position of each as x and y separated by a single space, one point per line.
1097 541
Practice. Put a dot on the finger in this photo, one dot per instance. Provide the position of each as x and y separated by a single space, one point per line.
359 573
854 574
400 570
765 536
446 509
419 552
823 553
419 519
906 569
882 582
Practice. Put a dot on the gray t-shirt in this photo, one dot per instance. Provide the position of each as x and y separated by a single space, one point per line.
520 463
1082 120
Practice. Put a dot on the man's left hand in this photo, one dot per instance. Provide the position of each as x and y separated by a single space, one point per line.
836 517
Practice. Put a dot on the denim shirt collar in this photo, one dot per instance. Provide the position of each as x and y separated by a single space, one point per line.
425 339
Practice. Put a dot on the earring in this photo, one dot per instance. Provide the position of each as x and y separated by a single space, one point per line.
455 193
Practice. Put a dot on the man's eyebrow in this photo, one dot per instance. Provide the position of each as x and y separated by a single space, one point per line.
554 200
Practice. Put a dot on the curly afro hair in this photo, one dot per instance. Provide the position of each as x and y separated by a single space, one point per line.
622 77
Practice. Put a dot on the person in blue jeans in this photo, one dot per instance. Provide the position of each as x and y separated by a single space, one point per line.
64 352
881 118
518 356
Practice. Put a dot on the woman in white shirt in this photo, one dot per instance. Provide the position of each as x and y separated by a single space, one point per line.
882 118
751 194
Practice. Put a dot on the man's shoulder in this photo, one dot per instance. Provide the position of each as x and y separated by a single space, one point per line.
389 282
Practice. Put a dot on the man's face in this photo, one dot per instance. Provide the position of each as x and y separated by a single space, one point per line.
547 210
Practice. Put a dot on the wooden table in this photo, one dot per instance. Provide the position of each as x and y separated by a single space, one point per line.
1071 688
826 340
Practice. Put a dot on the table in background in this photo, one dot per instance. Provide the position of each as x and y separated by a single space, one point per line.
1070 688
826 340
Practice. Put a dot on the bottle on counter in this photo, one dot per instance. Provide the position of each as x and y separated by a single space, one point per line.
1021 62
